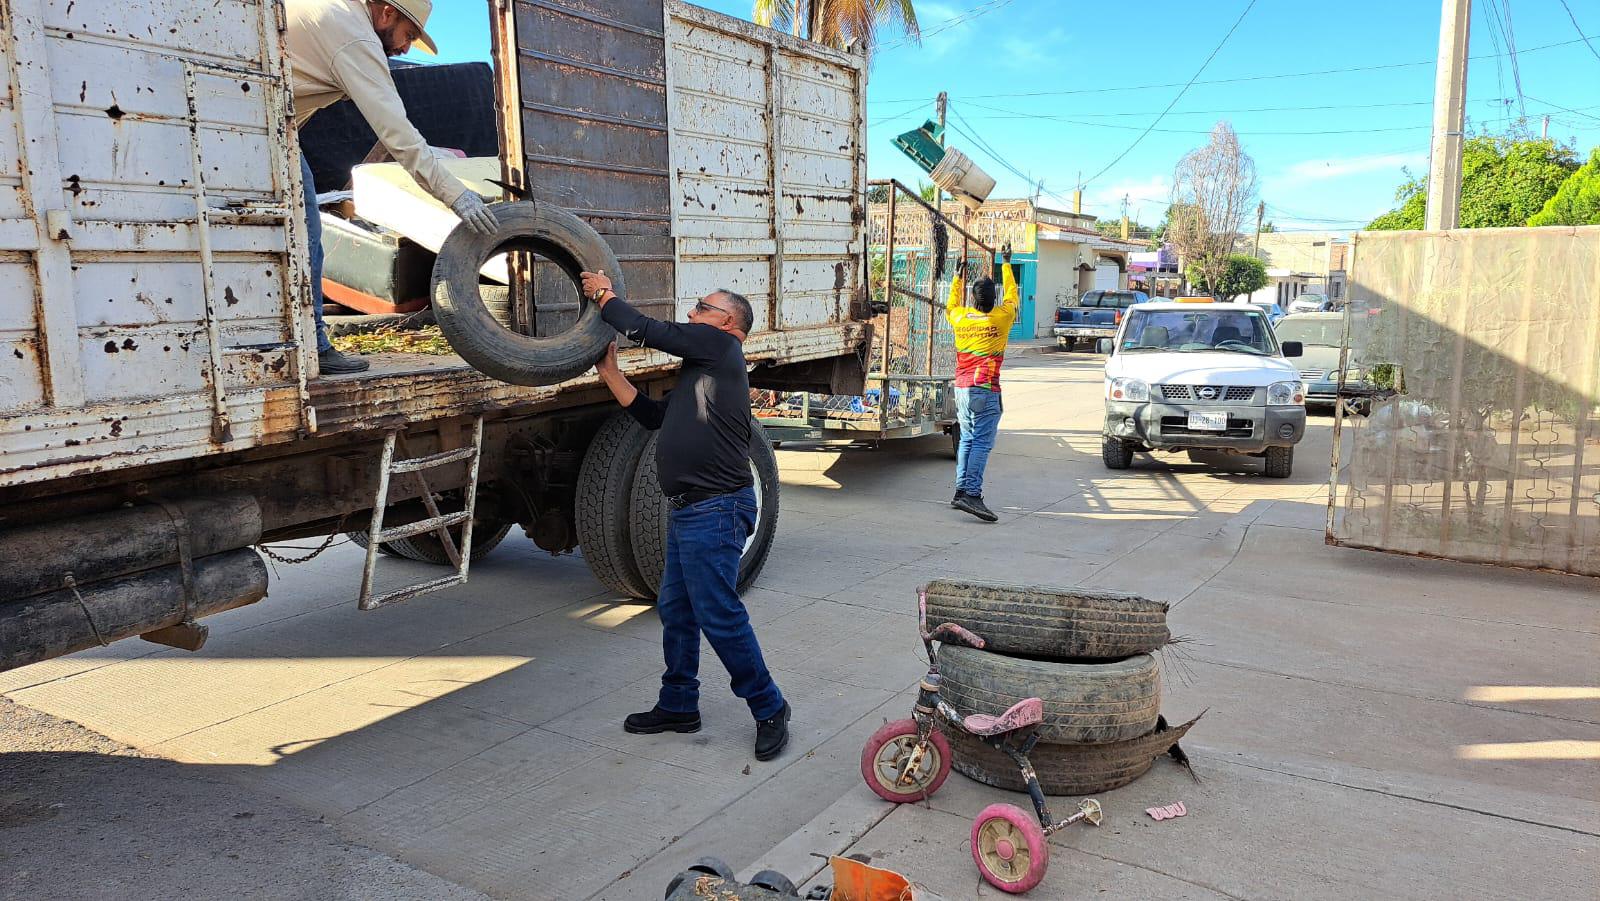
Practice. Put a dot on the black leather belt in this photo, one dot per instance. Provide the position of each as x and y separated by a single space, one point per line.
679 501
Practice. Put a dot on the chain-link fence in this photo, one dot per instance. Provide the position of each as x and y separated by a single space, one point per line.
912 253
1484 441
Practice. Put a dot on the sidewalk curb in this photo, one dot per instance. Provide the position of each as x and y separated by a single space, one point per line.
830 832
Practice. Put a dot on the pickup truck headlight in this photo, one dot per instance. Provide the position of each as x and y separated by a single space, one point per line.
1286 394
1130 389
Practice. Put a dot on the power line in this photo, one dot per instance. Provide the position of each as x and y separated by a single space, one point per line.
1214 51
1019 114
960 19
1375 68
1579 29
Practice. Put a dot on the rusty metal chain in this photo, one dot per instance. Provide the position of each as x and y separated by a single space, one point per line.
338 530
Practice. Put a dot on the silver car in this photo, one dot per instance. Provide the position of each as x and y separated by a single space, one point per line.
1321 335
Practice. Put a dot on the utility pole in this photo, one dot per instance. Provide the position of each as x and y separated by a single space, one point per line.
940 105
1124 217
1544 130
1077 195
1261 213
1449 117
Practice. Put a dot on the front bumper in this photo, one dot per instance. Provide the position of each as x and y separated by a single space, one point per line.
1084 331
1162 426
1325 393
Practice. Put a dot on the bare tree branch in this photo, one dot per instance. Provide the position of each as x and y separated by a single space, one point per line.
1213 188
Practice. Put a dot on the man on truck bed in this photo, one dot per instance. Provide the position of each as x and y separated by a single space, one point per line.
703 459
337 49
981 335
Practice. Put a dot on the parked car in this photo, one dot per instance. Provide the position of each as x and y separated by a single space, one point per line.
1321 334
1096 315
1273 311
1309 303
1187 377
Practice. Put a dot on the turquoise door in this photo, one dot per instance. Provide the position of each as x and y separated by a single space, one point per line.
1026 269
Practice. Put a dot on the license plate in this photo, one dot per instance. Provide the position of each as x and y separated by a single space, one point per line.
1208 422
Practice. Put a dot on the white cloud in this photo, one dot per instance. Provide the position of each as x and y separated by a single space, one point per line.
1147 198
1324 169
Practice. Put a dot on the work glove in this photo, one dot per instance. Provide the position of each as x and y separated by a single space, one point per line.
470 207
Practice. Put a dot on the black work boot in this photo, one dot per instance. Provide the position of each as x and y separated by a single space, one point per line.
973 503
956 501
332 362
772 734
657 720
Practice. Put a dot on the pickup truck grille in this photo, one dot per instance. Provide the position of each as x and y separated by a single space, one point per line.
1179 425
1232 394
1312 375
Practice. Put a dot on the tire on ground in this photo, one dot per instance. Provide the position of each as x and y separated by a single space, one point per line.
1115 453
1064 769
471 327
1279 462
648 529
1055 623
604 521
1090 703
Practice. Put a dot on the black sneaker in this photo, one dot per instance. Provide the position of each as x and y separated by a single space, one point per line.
772 734
973 503
332 362
956 501
657 720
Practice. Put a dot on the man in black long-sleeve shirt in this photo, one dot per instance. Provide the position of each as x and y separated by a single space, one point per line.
703 458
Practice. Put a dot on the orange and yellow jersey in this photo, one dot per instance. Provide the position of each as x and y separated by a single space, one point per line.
981 337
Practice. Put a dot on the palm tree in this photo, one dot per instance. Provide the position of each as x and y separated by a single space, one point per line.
837 23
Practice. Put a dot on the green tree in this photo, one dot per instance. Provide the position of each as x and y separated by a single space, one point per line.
1243 274
1577 201
840 24
1504 181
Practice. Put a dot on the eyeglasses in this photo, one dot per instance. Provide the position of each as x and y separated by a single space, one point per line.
703 307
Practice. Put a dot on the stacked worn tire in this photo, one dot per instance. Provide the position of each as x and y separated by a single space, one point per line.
1087 654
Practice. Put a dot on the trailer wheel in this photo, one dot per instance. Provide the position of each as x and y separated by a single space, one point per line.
604 521
651 511
472 329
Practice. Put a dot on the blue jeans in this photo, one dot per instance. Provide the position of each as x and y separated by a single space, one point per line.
699 593
314 250
978 412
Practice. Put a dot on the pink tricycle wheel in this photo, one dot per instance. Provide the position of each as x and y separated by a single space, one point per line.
1009 847
889 753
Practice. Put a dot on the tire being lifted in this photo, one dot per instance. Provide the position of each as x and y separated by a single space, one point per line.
473 331
648 529
1055 623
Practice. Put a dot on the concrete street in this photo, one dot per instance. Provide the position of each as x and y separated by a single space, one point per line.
1374 727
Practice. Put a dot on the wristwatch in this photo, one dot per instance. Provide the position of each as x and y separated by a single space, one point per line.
599 293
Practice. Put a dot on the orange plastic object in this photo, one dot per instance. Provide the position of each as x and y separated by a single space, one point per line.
857 881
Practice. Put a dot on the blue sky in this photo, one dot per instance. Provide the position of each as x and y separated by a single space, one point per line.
1061 89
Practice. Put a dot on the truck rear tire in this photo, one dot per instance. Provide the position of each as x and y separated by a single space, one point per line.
1280 462
1051 623
650 512
1115 453
470 326
604 518
1084 703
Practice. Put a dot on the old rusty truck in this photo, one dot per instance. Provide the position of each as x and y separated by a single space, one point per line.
161 414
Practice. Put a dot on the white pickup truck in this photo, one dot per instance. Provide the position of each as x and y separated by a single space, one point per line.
1202 376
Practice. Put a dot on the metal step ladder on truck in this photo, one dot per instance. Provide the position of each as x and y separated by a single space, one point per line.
161 416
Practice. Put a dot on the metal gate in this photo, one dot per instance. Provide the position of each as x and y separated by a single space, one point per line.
1485 348
912 250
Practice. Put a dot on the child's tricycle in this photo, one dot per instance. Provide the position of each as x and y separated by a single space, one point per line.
907 760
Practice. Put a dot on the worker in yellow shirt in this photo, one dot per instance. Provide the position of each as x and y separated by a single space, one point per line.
981 331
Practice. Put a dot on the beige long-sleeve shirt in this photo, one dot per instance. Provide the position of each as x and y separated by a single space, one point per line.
334 53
